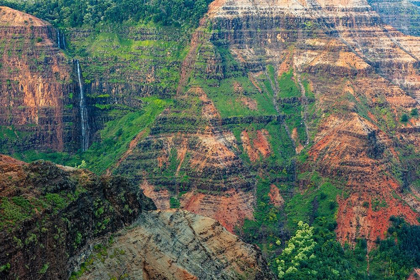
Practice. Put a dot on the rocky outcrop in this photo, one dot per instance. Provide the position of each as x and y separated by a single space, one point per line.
49 213
175 244
37 94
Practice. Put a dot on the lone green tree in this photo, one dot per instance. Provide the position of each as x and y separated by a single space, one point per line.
299 252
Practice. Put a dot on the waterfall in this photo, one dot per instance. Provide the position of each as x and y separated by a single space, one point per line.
61 40
84 125
58 39
64 40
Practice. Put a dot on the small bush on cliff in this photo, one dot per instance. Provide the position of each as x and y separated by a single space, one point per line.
5 268
404 118
174 203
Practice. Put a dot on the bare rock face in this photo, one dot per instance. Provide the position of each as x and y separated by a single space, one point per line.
176 244
36 88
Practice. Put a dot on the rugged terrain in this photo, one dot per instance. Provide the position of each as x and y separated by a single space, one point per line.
56 219
340 77
36 80
50 213
263 114
176 244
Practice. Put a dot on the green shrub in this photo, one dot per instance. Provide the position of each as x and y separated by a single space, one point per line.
5 268
174 202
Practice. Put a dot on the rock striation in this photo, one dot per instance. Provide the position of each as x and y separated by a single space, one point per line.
347 54
269 89
176 244
36 87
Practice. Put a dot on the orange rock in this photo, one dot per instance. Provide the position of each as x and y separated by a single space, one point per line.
258 146
275 197
230 209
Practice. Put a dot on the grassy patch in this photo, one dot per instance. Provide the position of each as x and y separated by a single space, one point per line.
287 85
318 201
117 134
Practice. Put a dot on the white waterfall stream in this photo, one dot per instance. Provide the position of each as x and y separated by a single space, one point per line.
58 39
84 125
63 40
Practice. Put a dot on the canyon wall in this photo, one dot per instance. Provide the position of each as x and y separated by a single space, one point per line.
264 93
37 93
353 78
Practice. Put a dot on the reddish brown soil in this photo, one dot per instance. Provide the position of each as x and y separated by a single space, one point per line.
229 209
258 146
250 103
275 197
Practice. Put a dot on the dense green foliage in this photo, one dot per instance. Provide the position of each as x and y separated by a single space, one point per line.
20 208
72 13
299 250
399 253
393 258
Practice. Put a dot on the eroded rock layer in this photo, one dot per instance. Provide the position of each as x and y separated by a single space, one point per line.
175 244
363 77
37 94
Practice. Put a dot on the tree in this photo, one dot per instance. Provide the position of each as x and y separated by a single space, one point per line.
298 252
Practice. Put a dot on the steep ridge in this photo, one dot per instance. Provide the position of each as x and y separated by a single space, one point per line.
176 244
35 87
50 213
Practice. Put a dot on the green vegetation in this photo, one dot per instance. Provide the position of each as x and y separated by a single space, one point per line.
233 95
115 138
17 209
5 268
291 106
12 213
233 104
100 253
263 230
299 250
44 268
91 13
174 202
396 256
319 201
313 252
117 134
287 85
